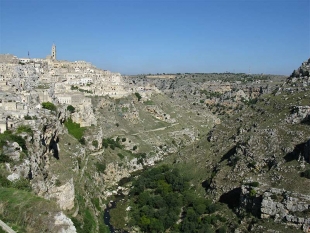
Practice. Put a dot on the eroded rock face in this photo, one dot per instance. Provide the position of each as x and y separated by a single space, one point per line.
160 114
299 114
281 205
64 195
43 148
63 224
114 173
84 115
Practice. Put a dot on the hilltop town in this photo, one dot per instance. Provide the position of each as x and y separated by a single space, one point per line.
26 83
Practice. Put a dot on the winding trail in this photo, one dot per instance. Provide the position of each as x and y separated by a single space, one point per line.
6 227
158 129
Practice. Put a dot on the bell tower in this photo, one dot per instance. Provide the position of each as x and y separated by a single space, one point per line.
53 54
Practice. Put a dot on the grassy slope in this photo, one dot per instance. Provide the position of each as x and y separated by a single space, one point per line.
24 211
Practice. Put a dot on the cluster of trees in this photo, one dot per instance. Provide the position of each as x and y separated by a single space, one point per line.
27 117
162 196
24 129
49 106
106 142
210 94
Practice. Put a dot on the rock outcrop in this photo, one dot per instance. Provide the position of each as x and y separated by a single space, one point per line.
63 224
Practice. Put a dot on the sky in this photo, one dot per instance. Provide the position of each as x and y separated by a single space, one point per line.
162 36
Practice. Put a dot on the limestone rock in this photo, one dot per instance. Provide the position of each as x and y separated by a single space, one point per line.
64 195
63 224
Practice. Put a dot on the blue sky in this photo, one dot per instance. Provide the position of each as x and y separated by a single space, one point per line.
163 36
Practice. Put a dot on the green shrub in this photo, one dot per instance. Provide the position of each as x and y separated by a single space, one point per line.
27 117
4 158
96 203
222 229
106 142
24 128
4 182
58 183
138 96
100 167
307 174
22 184
49 106
95 143
82 141
252 193
71 109
120 155
253 184
89 222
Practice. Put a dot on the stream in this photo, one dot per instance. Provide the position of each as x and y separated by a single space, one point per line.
112 204
107 217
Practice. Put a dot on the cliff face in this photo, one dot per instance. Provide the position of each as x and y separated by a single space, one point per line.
259 156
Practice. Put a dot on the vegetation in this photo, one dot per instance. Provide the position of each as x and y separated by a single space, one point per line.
22 209
148 102
120 155
106 142
95 143
24 129
119 215
211 94
82 141
27 117
161 195
307 174
74 129
50 106
253 184
74 87
4 158
138 96
9 136
71 109
100 167
80 89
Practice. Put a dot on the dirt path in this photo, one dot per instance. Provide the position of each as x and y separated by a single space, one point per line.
158 129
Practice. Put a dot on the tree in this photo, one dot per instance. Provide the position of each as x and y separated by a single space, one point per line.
138 96
50 106
95 143
307 174
71 109
82 141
